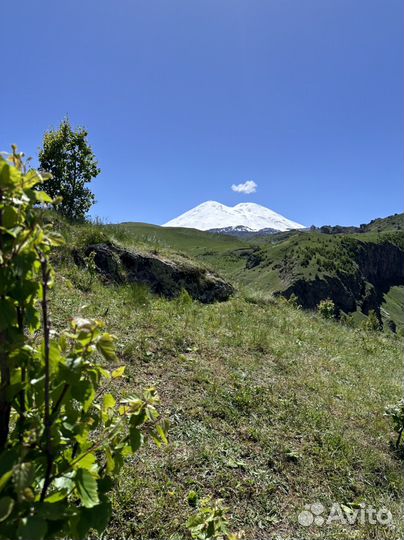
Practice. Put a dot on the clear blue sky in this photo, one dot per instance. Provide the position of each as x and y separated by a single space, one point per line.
184 98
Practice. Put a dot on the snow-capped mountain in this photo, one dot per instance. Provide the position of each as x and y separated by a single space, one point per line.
250 216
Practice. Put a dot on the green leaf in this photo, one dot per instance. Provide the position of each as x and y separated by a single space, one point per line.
54 511
92 518
138 419
8 313
54 355
6 506
87 462
118 372
31 528
104 372
8 175
162 429
135 438
32 178
86 486
99 516
84 392
5 478
56 239
109 461
10 217
105 345
89 401
42 197
56 496
109 402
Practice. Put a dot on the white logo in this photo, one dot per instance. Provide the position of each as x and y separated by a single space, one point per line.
315 514
311 514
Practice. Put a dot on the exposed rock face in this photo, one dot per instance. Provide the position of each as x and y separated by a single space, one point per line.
381 264
311 292
378 267
164 277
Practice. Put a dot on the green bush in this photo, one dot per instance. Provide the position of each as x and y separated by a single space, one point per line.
63 435
372 323
396 413
326 308
210 521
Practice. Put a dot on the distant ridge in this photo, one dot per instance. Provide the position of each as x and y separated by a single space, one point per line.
247 216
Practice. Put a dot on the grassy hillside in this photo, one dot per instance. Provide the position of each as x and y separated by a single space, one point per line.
390 223
271 407
310 264
392 307
212 250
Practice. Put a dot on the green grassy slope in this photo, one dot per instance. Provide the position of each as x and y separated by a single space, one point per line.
392 307
390 223
275 262
211 250
271 407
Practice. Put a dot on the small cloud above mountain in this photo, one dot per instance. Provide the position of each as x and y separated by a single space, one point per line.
248 187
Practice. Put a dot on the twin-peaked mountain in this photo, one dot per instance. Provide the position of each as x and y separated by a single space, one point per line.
244 217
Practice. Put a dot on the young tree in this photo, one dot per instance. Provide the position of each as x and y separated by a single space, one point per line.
66 154
65 430
373 322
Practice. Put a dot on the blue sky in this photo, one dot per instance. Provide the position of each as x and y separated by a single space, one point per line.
182 99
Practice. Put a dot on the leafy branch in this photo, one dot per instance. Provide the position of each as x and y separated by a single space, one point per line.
63 438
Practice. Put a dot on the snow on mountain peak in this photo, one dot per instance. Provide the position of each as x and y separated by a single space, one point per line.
214 215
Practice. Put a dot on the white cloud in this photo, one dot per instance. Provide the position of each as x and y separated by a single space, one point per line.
248 187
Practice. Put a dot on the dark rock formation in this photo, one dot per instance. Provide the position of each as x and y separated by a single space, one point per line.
378 266
163 276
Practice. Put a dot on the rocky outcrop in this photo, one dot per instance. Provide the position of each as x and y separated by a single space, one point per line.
163 276
310 293
381 264
378 266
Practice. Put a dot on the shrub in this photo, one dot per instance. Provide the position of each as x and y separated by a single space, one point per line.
396 413
210 520
326 308
372 323
63 435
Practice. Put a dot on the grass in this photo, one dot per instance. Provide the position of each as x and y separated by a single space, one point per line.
390 223
392 307
271 408
284 257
